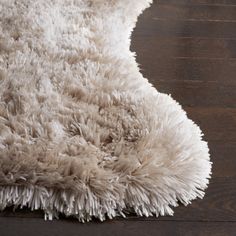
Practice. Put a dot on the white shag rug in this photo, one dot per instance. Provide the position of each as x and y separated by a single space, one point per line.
81 131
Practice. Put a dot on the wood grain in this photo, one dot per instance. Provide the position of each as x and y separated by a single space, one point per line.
185 28
195 12
23 226
198 93
156 67
197 2
185 48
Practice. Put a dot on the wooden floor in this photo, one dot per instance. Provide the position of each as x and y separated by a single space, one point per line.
186 48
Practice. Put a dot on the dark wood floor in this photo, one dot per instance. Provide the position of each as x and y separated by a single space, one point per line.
186 48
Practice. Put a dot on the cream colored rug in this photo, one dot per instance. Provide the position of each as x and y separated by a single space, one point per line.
81 131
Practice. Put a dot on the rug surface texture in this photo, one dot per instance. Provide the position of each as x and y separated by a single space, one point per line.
82 132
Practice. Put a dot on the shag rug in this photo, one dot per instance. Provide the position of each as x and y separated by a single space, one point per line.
82 132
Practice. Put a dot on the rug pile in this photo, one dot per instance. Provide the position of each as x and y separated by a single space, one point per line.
82 132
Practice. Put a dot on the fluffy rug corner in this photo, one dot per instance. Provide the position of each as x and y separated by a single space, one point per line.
82 132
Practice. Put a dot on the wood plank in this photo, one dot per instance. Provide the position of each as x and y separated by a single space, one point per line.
184 28
198 93
192 12
24 226
223 158
161 68
218 124
197 2
187 47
